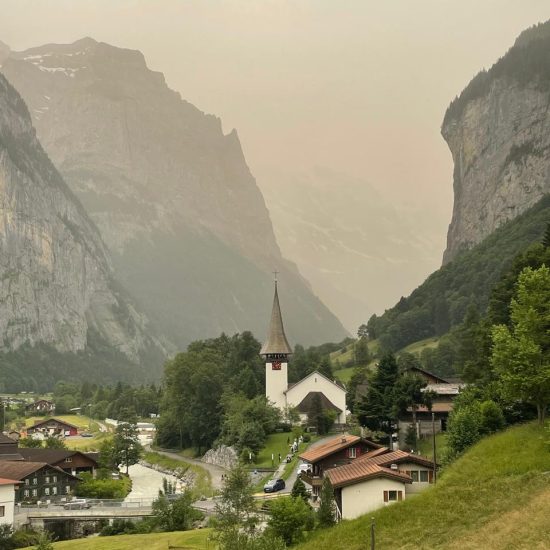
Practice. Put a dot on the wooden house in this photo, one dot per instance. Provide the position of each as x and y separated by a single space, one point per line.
52 427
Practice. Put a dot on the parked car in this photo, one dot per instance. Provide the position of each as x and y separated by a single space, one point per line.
274 485
77 504
86 434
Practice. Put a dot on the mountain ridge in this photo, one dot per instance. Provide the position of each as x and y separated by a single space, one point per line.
159 178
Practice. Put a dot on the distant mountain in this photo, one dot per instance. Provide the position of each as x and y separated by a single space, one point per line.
174 200
360 251
498 131
56 281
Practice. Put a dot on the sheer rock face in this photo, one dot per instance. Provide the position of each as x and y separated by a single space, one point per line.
500 143
55 274
172 195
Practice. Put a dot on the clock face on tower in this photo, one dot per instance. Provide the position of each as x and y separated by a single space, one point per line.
276 365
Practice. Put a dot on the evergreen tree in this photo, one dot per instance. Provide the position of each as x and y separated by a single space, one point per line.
326 514
376 410
299 490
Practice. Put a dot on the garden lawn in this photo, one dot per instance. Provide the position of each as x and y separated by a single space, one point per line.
190 540
275 444
425 446
497 495
83 423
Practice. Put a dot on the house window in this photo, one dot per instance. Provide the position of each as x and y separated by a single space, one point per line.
414 475
34 492
47 479
67 489
26 493
68 459
35 481
27 481
352 452
54 490
392 496
55 479
2 511
47 491
424 476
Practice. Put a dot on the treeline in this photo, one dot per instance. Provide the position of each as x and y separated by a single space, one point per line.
122 401
205 388
443 300
37 368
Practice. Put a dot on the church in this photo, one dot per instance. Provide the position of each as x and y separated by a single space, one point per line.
276 352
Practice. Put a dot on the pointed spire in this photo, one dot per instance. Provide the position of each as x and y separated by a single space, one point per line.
276 340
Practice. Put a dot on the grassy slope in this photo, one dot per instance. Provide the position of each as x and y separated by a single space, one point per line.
190 540
495 496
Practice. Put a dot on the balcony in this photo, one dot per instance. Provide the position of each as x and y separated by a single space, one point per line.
311 479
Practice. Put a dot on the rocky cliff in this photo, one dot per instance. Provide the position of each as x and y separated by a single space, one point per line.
172 195
498 131
56 281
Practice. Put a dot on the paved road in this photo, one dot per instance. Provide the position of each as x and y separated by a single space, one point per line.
146 482
216 472
292 478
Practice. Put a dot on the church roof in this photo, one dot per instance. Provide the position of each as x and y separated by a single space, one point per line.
305 405
276 340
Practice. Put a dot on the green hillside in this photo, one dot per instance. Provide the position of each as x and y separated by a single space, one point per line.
497 495
190 540
442 300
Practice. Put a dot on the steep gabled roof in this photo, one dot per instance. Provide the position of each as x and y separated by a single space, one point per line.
427 375
315 373
395 457
36 424
333 446
21 469
276 339
50 456
305 404
360 470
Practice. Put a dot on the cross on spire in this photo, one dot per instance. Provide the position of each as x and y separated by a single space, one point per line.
275 273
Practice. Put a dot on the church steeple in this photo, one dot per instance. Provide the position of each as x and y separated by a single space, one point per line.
276 343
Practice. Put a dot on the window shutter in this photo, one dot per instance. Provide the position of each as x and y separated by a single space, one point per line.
430 476
399 495
385 496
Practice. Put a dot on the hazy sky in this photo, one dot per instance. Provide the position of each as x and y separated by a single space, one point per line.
357 86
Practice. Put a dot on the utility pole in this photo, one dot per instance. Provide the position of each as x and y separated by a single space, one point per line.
434 457
372 534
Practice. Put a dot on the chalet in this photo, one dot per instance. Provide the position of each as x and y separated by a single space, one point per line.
71 462
7 500
338 451
52 427
41 406
444 392
372 482
38 481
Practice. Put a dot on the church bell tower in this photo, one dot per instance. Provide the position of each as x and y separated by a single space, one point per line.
276 351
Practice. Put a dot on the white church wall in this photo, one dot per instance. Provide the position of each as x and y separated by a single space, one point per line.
318 382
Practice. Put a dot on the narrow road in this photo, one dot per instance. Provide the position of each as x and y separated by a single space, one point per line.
292 477
216 472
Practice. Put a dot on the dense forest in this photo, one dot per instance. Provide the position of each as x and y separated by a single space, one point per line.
37 368
442 301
